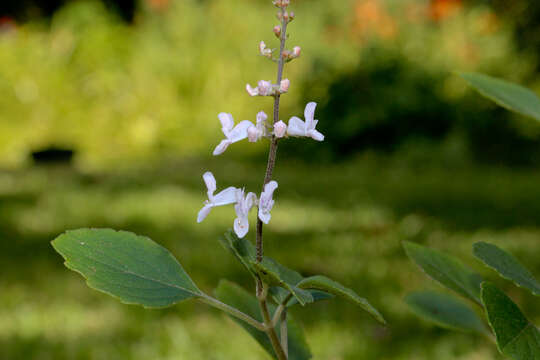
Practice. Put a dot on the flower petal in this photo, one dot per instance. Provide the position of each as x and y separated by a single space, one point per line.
296 127
264 216
210 182
309 114
203 213
227 122
225 197
241 226
315 135
220 149
252 91
261 117
240 131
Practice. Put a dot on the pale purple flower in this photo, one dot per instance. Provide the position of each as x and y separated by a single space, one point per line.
242 208
232 133
224 197
280 129
266 202
296 51
297 127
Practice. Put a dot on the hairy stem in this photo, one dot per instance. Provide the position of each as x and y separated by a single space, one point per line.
233 312
274 141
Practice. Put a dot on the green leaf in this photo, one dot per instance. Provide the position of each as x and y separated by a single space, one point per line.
511 96
445 311
516 336
275 274
242 249
234 295
323 283
280 294
447 270
506 265
131 268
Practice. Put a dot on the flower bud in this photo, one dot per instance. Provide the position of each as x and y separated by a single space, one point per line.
253 134
277 31
280 128
291 16
296 51
284 85
286 16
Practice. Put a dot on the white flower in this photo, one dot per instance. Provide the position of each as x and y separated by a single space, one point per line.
242 208
297 127
264 88
225 197
280 128
258 131
266 202
284 86
264 50
232 133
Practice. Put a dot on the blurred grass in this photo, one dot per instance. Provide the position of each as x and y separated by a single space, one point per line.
345 221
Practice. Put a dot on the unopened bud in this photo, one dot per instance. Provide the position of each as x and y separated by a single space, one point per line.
280 128
291 16
296 51
277 31
284 85
286 16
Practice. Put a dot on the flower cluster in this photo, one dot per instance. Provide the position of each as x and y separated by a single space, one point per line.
243 203
255 132
262 128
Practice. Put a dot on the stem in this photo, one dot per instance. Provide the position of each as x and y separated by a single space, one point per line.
274 141
233 312
271 332
280 309
261 288
284 336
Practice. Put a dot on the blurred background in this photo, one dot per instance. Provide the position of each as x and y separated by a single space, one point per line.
108 116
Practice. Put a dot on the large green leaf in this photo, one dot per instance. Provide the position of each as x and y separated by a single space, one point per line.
325 284
516 336
234 295
446 269
511 96
446 311
132 268
506 265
